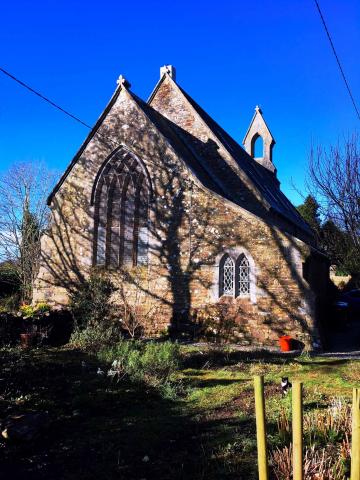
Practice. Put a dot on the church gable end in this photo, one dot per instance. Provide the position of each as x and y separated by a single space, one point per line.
161 194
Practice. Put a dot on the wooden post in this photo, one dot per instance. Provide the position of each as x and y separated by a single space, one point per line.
355 442
260 428
297 431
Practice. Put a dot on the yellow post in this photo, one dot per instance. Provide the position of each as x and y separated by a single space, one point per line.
260 428
355 442
297 431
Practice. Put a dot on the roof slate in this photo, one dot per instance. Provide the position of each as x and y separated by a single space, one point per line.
264 180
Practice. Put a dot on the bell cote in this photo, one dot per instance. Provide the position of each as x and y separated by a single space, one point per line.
259 142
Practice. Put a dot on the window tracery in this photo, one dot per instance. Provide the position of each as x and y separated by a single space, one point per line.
234 277
121 200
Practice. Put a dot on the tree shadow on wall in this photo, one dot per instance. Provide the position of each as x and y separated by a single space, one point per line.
190 227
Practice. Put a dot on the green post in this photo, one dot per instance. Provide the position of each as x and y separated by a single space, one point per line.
355 442
297 431
260 428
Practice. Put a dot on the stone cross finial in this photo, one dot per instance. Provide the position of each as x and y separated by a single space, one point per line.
170 70
122 82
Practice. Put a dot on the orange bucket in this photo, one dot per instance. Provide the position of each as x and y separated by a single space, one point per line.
285 343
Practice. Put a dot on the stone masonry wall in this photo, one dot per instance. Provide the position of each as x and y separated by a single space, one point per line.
190 229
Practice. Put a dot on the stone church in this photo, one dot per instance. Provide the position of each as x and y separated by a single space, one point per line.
192 228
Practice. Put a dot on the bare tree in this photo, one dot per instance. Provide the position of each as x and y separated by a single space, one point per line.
138 310
334 180
24 216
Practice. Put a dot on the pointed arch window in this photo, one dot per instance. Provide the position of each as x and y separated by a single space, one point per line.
234 277
121 202
227 269
243 276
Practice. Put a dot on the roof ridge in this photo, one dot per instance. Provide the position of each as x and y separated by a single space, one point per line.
184 144
258 176
157 86
202 113
189 151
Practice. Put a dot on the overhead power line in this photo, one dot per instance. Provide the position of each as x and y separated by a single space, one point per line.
55 105
43 97
337 59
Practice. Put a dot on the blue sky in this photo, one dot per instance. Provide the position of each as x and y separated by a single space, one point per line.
229 56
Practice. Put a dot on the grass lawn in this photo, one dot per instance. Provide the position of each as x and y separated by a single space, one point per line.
102 429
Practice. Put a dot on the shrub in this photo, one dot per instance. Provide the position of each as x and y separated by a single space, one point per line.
95 337
153 364
32 317
160 361
90 303
34 311
9 280
10 303
214 322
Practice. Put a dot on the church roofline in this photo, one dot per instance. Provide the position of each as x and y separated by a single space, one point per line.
230 145
278 203
199 183
200 112
156 88
165 71
122 84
